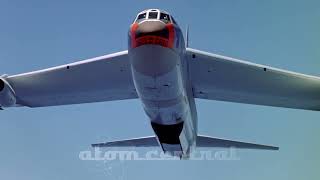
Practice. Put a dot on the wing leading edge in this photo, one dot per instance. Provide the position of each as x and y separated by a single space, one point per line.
103 78
216 77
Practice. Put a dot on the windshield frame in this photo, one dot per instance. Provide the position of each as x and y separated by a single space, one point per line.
146 13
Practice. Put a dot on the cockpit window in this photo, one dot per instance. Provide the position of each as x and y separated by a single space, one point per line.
164 17
153 15
142 16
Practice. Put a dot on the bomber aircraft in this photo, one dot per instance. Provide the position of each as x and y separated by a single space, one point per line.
167 76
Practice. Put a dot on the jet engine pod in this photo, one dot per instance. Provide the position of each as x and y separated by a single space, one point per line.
7 95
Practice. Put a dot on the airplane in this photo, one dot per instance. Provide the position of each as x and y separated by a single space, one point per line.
166 75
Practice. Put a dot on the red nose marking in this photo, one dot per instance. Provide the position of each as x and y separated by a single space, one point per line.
134 28
170 27
152 39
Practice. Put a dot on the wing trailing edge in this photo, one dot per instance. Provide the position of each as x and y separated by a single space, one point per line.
207 141
202 141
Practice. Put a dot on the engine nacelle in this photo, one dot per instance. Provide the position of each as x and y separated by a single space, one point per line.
7 95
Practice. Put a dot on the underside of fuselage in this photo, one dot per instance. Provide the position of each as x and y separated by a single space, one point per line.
157 62
158 79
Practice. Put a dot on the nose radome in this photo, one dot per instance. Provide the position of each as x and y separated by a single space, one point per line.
152 33
152 28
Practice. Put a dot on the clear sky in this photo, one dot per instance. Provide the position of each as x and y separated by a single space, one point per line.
44 143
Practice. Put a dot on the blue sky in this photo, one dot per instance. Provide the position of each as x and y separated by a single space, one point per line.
44 143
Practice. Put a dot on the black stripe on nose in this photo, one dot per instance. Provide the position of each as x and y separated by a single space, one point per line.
152 28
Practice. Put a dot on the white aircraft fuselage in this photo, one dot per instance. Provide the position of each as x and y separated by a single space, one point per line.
160 74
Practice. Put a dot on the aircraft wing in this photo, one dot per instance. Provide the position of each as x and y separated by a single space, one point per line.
207 141
217 77
104 78
149 141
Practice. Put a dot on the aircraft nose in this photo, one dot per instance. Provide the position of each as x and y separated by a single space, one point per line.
152 32
152 28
